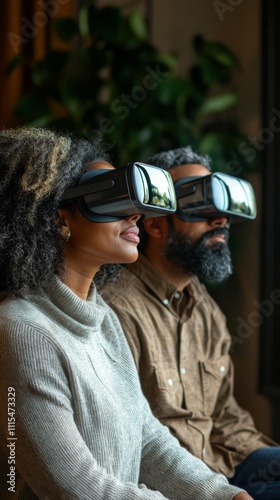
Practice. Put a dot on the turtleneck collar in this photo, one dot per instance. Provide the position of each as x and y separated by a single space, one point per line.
80 317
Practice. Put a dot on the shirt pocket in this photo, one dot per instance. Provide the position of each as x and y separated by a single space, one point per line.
213 373
170 391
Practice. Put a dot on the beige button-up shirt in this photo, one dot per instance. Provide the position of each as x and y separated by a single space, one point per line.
180 344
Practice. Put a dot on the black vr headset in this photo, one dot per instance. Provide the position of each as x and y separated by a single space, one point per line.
108 195
200 198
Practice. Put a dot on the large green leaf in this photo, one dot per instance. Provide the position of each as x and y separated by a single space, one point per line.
169 60
171 88
211 72
222 54
137 24
216 51
219 103
84 21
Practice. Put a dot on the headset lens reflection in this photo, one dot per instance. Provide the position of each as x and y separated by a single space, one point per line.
233 194
154 187
200 198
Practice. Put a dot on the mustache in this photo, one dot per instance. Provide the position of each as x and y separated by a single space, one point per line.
216 232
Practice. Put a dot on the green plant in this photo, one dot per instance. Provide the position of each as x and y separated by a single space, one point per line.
112 82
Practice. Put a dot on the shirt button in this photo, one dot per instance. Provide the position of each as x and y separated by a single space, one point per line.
222 368
177 295
170 381
165 302
183 371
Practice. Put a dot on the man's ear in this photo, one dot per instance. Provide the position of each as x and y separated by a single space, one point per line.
156 226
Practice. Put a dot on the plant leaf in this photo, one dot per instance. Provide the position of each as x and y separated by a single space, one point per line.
84 22
219 103
137 24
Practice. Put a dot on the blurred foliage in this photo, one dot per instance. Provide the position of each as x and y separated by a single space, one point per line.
113 83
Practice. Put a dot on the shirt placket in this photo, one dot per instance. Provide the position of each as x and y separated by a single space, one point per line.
199 440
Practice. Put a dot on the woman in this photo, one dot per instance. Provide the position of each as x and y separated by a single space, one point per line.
74 424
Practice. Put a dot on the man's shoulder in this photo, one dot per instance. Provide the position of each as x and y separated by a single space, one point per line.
203 297
198 289
127 286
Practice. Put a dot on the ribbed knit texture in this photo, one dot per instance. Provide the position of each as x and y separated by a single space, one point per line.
82 424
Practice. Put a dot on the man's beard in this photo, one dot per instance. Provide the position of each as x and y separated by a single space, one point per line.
210 263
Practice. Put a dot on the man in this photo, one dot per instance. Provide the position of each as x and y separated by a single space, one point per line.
180 342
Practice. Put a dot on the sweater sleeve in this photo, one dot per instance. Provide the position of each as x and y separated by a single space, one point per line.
50 453
172 469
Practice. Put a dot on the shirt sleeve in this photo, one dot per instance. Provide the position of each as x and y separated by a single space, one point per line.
233 426
172 469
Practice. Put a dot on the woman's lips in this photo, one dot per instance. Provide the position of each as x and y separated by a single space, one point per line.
131 234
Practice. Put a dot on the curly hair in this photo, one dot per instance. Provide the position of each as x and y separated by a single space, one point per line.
180 156
107 273
184 155
36 166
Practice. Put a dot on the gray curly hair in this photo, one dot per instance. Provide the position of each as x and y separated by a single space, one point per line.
36 166
180 156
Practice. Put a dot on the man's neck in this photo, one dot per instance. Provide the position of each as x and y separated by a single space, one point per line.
170 271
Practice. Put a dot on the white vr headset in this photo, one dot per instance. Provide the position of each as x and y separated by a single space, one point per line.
108 195
200 198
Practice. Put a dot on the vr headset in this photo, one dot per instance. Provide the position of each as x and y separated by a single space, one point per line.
108 195
200 198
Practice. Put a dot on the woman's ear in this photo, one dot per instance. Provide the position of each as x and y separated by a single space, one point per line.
63 218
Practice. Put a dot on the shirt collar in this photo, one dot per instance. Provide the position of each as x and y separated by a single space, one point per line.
165 291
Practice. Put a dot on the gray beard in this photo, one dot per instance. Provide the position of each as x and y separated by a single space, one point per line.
209 263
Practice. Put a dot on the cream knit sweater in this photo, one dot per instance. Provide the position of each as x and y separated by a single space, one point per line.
83 429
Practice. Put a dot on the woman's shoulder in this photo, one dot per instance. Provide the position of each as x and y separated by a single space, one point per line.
20 318
18 308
